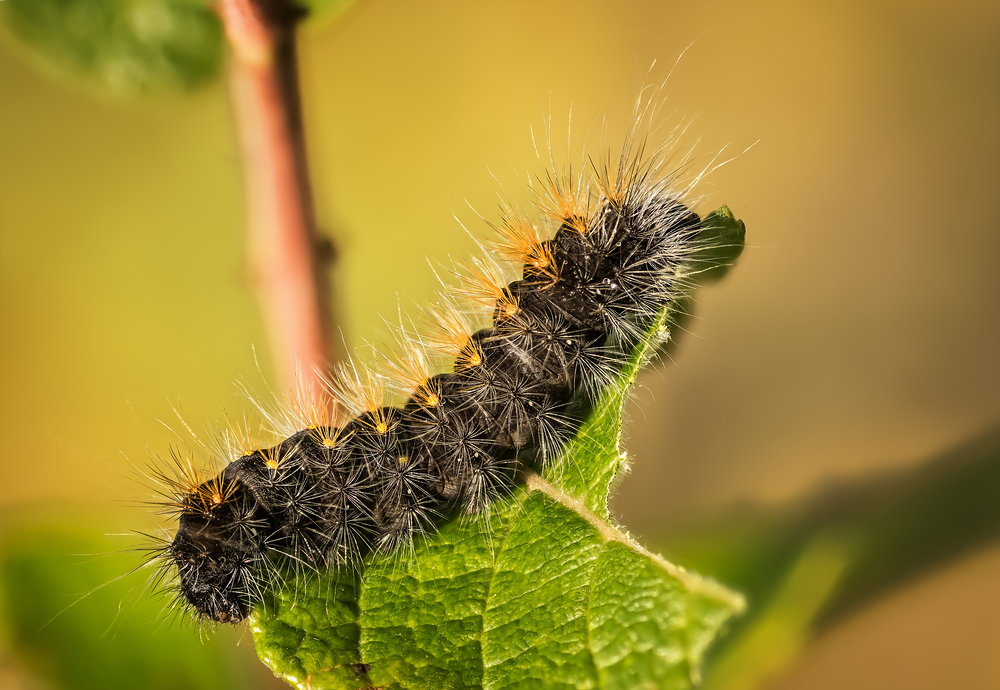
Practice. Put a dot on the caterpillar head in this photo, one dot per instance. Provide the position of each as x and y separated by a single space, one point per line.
217 545
212 571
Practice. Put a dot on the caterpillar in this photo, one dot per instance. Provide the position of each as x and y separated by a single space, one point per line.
353 474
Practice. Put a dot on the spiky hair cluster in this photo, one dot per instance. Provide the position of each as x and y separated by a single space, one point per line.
514 392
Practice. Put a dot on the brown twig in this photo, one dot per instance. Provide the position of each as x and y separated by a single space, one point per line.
284 264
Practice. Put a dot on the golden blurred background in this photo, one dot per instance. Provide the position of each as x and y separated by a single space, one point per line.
858 334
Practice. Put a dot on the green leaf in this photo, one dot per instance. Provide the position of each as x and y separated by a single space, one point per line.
542 592
125 46
722 243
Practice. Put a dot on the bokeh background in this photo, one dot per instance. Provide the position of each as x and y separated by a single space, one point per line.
858 336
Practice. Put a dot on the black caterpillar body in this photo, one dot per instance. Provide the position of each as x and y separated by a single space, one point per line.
326 495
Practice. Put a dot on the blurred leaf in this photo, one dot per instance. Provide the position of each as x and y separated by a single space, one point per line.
855 541
125 46
326 10
115 636
543 593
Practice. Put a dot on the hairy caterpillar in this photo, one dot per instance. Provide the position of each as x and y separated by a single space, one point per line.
355 474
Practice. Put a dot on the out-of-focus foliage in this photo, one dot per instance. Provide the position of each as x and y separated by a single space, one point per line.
326 10
114 636
126 46
131 47
805 566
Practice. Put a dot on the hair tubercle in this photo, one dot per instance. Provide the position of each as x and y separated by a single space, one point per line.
375 476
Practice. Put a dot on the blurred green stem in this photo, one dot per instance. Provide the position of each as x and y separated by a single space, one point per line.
284 264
